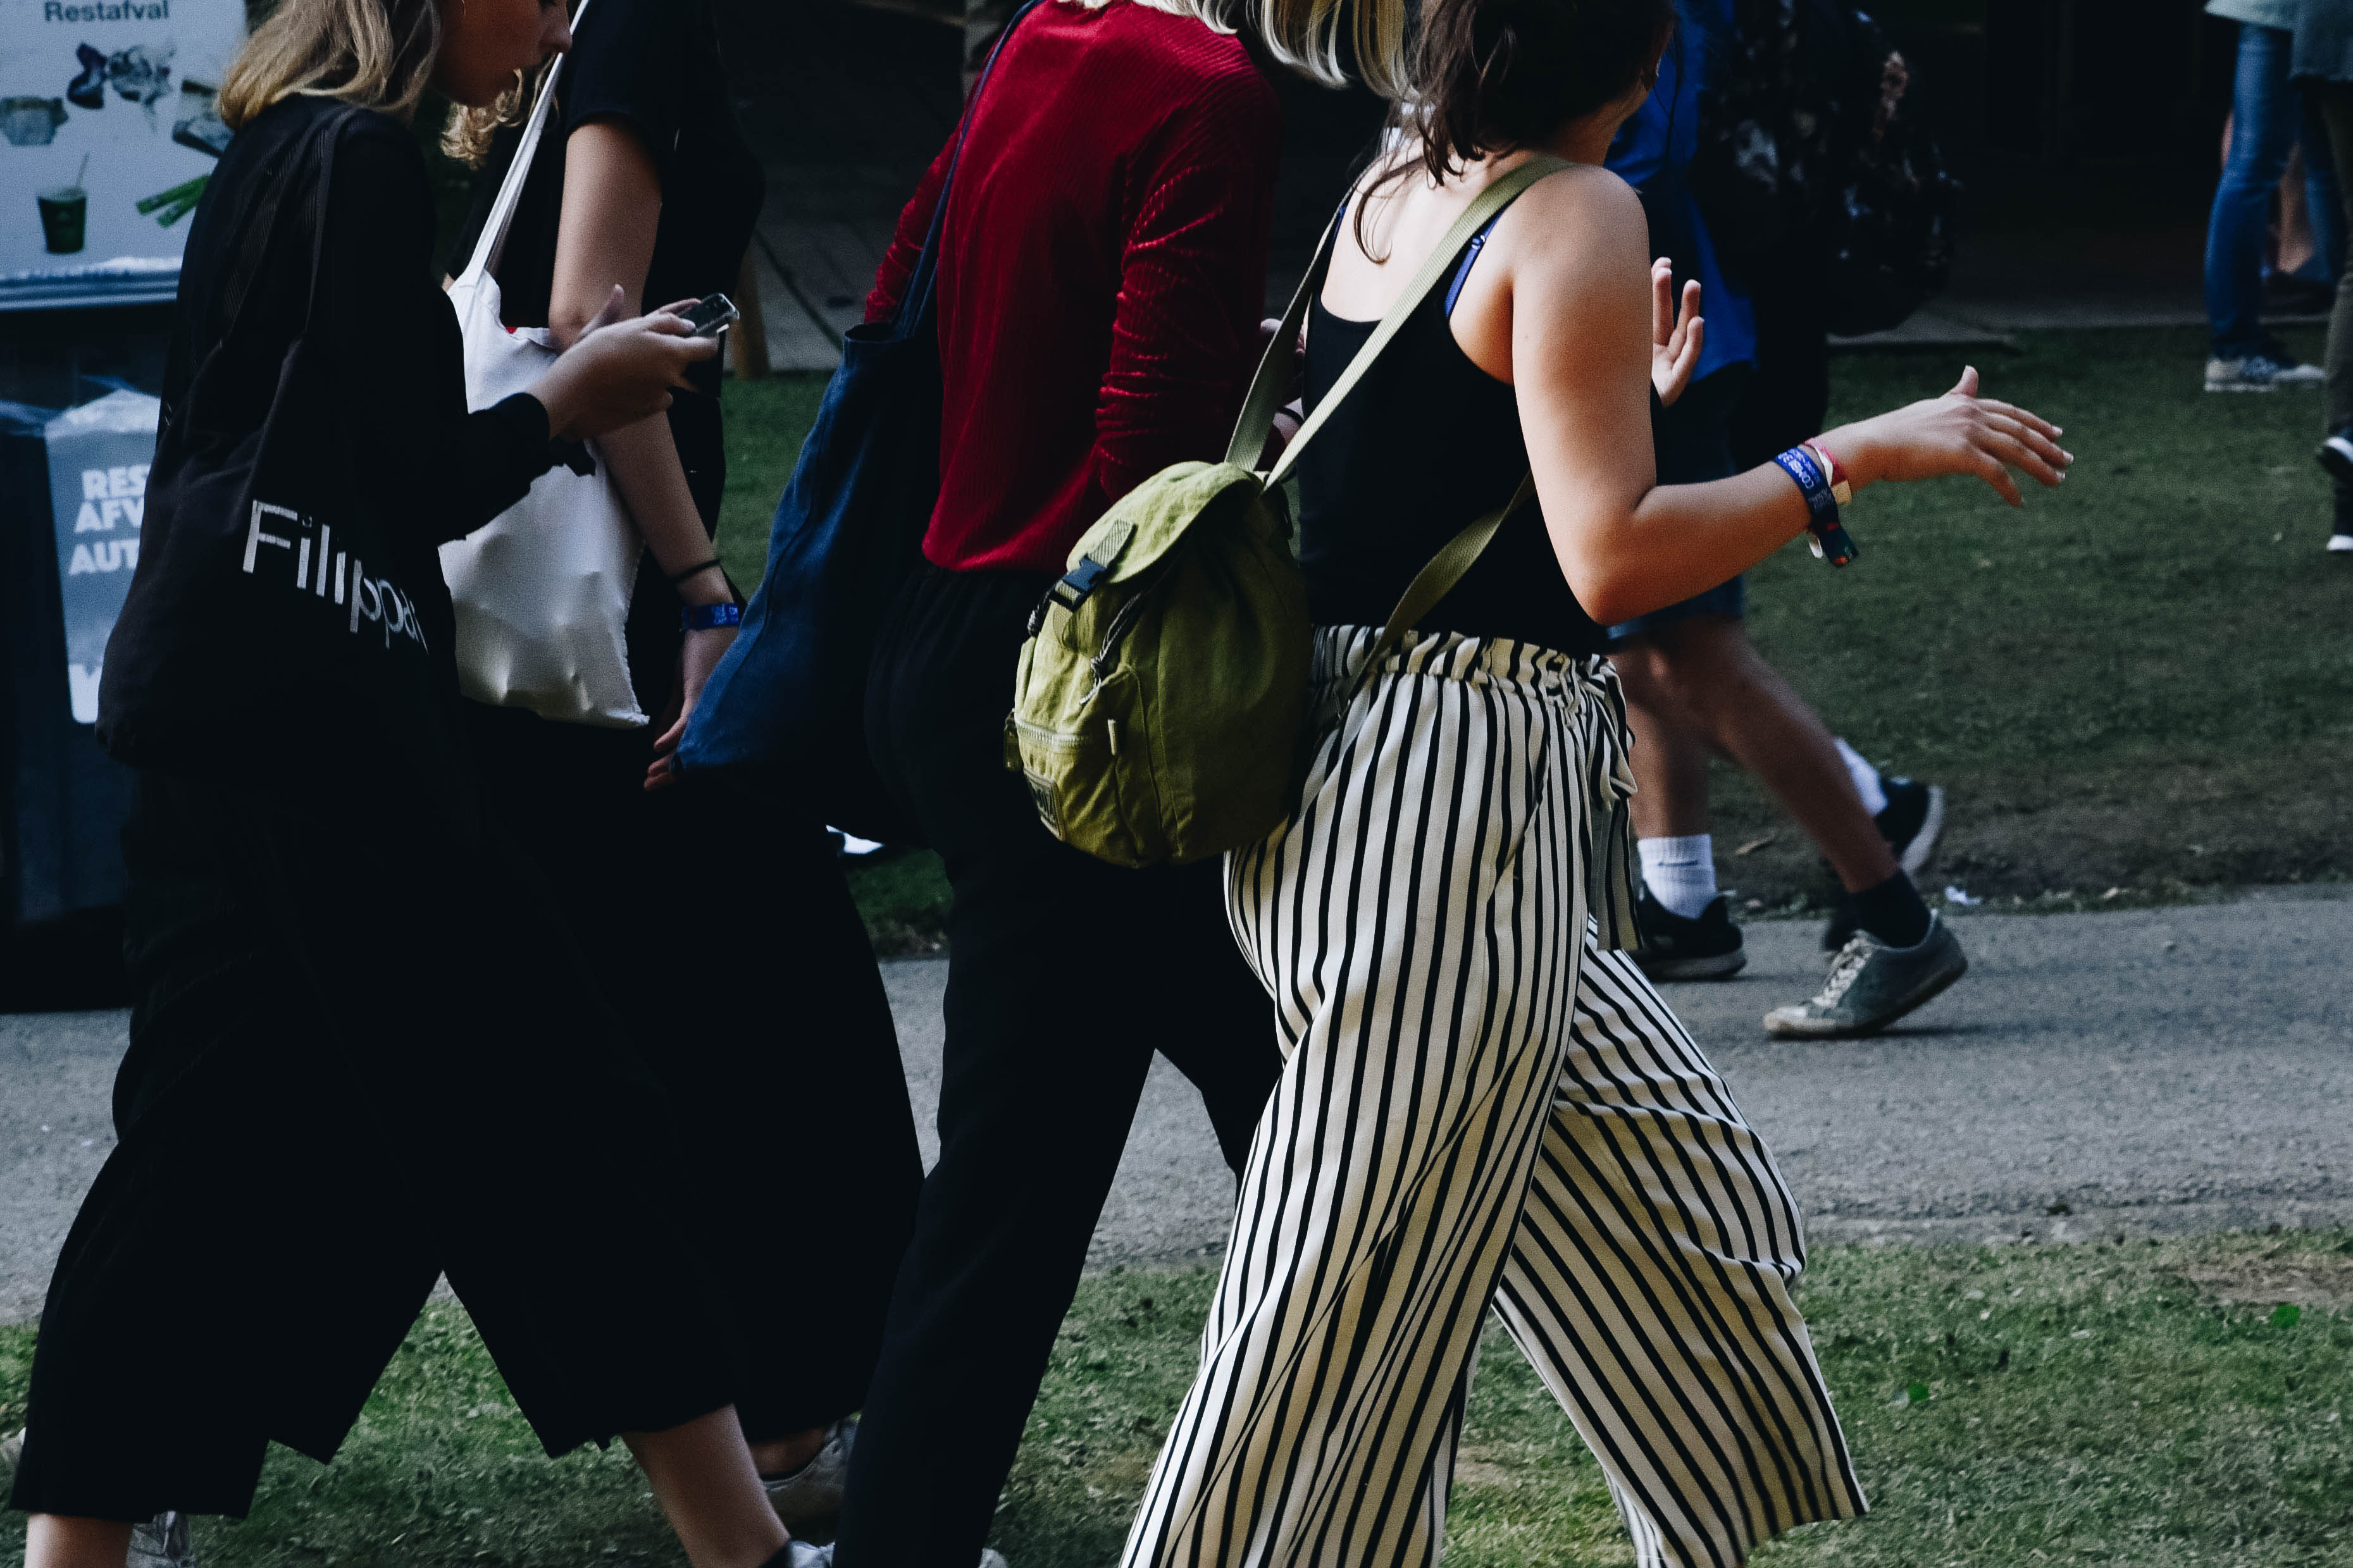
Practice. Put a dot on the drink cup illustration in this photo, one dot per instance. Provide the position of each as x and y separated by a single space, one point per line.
65 210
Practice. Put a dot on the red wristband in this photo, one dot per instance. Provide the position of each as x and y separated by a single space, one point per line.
1841 482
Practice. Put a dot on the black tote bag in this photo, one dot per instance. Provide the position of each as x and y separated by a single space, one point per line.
274 608
785 711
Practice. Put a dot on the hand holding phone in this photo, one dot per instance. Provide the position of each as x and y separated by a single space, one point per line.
709 315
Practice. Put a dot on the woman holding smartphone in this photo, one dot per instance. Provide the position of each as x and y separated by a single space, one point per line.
1482 1103
799 1100
362 1055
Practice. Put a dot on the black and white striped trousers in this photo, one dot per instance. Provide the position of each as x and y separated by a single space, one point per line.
1481 1105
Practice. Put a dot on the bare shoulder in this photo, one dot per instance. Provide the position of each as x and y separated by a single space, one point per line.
1582 221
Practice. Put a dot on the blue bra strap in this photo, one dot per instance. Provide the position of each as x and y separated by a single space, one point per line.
1469 259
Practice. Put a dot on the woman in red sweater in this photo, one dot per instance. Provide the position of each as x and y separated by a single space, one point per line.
1101 277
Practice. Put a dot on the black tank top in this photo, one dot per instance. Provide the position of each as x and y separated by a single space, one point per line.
1426 442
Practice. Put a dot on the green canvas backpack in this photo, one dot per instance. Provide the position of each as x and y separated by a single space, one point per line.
1158 703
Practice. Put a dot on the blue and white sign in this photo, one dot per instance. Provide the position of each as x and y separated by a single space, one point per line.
107 133
98 457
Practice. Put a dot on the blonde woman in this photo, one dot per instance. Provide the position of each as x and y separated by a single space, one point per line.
361 1055
1483 1104
1101 264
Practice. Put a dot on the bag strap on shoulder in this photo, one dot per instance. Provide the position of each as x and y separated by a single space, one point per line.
1459 555
492 241
317 141
1270 385
918 296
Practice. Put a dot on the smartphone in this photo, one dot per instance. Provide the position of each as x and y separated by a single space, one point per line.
711 315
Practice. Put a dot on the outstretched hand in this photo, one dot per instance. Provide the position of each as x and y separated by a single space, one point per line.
1959 433
1674 344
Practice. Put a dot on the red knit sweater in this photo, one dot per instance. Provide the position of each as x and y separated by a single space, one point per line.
1102 273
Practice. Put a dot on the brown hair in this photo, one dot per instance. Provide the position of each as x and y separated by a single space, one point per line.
377 54
1485 76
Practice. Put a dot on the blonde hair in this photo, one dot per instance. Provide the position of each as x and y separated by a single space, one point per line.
377 54
1306 35
465 134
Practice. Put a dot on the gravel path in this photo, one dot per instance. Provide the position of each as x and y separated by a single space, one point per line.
2141 1072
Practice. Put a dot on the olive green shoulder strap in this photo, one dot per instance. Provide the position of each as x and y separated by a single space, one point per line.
1460 553
1270 388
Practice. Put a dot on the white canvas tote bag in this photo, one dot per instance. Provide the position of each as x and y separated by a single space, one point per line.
543 590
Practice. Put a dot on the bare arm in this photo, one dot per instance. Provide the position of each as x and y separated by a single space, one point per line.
1582 356
612 204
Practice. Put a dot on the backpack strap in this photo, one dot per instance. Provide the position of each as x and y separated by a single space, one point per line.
1268 386
1459 555
917 297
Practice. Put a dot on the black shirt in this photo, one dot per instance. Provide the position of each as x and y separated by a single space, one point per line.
391 336
1426 442
652 65
385 344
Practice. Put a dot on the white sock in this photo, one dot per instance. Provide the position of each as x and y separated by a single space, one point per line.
1866 777
1680 872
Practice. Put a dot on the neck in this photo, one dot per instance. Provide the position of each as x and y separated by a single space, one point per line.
1585 140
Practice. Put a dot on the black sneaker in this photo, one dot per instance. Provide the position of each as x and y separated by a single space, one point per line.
1706 947
1911 823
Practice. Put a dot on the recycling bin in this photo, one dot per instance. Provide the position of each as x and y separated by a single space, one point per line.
72 496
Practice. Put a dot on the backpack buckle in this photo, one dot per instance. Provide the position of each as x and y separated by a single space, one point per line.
1083 579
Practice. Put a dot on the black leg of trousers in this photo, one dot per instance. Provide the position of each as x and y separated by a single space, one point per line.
722 933
389 1064
1065 974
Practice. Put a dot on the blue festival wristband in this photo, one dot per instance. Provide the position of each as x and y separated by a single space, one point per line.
704 618
1830 541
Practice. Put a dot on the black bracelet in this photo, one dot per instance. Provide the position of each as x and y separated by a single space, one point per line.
700 567
708 617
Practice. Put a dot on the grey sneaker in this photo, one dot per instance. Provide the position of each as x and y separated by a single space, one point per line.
804 1555
160 1542
1871 984
811 1496
2261 373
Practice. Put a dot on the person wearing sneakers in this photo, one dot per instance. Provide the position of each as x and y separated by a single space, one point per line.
1484 1103
2322 65
2270 114
1694 682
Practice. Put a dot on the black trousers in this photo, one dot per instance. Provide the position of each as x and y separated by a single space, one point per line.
362 1054
1065 975
722 932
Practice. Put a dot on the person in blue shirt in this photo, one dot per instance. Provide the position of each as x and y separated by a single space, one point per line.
1696 684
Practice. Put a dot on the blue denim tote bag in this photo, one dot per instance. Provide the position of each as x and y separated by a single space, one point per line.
785 711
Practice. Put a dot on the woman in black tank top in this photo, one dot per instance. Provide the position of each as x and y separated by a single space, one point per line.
1366 522
1484 1101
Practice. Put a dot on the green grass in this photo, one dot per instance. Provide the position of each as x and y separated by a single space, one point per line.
2143 681
2141 1403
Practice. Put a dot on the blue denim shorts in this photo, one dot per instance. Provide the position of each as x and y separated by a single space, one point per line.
1693 443
1723 599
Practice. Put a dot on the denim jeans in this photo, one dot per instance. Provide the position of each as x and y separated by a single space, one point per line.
2269 115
